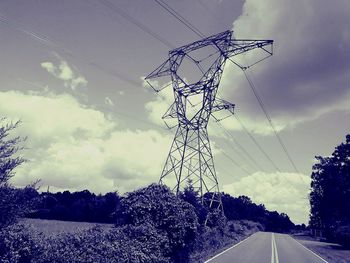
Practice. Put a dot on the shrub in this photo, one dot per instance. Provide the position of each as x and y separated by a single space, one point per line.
12 201
342 235
158 206
19 243
135 244
15 203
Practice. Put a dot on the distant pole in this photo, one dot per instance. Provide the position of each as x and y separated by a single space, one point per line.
190 157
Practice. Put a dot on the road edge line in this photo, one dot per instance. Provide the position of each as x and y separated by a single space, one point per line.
235 245
276 252
309 250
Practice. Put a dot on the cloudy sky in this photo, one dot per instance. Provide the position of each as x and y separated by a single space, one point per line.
72 72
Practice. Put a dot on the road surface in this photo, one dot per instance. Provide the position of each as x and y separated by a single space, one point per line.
265 247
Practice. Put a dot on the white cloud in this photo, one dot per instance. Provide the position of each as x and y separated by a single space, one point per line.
284 192
157 108
308 76
49 67
73 146
53 115
109 101
65 73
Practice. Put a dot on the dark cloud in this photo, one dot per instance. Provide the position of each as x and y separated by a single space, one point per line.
309 73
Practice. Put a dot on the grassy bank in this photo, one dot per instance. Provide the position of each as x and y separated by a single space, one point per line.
331 252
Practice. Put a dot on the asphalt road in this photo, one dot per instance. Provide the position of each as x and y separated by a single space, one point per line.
265 247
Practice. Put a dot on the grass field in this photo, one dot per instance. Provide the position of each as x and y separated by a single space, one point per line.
333 253
53 227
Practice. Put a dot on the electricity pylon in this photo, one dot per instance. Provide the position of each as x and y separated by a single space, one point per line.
190 157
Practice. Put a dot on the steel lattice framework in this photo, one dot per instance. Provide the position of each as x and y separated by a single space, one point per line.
190 156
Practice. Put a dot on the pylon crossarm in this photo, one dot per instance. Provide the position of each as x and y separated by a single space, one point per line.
163 70
238 46
211 40
220 104
171 112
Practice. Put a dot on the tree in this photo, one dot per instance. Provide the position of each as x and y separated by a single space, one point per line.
8 150
330 190
78 206
13 202
156 205
191 196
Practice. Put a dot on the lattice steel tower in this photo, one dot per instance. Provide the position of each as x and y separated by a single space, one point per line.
190 156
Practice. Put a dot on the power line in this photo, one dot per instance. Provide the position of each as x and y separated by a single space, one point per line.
195 30
162 40
265 112
256 143
234 162
200 34
256 94
209 11
137 23
179 17
165 42
229 157
247 155
46 41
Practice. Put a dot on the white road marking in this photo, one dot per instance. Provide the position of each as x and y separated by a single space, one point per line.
309 250
229 248
274 253
272 250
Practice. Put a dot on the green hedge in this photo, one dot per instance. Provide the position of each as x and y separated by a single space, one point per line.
342 235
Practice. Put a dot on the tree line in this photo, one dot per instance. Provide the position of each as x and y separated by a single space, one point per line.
330 194
80 206
84 206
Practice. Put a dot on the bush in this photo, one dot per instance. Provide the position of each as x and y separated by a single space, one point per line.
135 244
15 203
158 206
342 235
19 243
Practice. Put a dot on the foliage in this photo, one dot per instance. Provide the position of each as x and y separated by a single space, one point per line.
128 243
330 189
242 208
125 244
84 206
153 225
8 150
158 206
191 196
276 222
342 235
78 206
14 203
19 243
